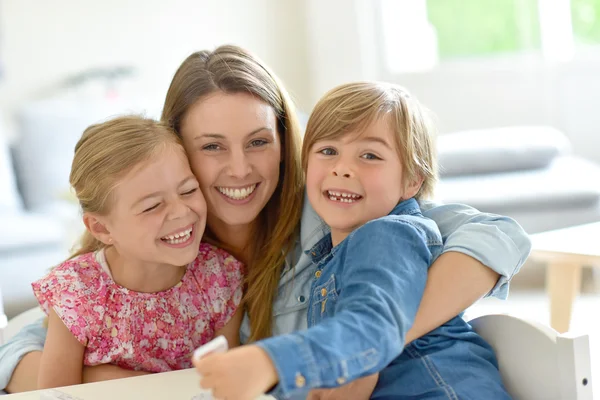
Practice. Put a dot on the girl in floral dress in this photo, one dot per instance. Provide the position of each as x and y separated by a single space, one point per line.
142 292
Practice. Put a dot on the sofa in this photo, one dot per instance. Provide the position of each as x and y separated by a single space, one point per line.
526 172
30 242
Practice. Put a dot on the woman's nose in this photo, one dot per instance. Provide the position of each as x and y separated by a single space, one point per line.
239 165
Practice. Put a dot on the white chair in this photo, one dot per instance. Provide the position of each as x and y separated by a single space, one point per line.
536 362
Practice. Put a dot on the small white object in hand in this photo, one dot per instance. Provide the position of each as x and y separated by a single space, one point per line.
217 345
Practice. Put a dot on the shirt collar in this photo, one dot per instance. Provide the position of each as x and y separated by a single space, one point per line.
324 246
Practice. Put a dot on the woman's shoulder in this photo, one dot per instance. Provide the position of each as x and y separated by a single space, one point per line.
312 227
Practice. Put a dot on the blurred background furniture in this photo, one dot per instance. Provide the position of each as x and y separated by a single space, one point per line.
535 361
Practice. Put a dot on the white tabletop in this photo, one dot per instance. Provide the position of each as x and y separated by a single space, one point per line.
580 240
169 385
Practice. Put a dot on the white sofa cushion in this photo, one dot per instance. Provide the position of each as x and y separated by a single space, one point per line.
9 196
19 231
567 183
499 149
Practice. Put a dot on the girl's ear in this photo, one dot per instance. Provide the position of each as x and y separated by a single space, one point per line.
97 227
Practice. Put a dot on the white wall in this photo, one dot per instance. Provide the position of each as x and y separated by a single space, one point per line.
44 41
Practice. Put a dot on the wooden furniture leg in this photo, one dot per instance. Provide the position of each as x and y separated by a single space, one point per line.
563 281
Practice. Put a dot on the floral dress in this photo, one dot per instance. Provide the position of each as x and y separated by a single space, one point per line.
153 332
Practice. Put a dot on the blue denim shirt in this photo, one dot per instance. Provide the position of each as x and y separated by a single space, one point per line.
496 241
363 301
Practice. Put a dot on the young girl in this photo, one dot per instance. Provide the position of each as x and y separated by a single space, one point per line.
138 294
369 155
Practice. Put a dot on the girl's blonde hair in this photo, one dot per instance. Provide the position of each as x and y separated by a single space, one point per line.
105 153
353 107
231 69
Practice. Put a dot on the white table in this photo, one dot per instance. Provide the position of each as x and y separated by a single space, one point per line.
174 385
566 251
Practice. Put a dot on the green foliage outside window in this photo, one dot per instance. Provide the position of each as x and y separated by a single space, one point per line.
475 28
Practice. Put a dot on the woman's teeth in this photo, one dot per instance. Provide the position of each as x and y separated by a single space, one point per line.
343 197
180 237
237 194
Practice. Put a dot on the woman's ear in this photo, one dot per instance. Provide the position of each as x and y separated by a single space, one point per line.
97 227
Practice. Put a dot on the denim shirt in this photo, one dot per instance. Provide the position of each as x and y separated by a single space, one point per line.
496 241
363 301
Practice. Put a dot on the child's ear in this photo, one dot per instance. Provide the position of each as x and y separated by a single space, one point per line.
412 187
97 228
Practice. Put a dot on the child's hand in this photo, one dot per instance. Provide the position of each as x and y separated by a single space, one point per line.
360 389
243 373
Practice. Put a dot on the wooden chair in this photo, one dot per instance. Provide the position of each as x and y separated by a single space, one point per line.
536 362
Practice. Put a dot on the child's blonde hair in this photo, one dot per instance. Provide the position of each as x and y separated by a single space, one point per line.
354 106
105 153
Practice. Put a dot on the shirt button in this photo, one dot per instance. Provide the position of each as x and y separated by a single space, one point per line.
323 292
301 299
300 381
318 274
341 380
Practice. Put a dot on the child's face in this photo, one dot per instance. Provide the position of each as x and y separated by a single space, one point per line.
154 203
356 178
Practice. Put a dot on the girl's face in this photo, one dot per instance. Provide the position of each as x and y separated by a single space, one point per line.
158 213
235 152
356 178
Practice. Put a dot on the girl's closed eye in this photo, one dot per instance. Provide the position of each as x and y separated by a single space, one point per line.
190 191
154 207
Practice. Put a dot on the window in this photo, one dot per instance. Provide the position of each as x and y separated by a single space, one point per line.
420 33
474 28
586 21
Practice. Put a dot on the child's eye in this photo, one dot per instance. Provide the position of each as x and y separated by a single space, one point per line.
328 151
212 147
258 143
370 156
192 191
154 207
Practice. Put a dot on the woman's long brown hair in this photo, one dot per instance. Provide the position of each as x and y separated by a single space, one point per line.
231 69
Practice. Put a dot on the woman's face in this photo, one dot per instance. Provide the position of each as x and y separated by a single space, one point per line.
235 151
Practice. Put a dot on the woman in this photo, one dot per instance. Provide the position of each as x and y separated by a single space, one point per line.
242 138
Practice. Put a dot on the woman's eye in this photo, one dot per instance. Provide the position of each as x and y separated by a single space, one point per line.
192 191
258 143
154 207
370 156
211 147
328 151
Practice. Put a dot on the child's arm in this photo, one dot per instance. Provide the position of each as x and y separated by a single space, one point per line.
382 283
62 359
231 330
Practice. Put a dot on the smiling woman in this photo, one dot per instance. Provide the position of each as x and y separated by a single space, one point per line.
237 168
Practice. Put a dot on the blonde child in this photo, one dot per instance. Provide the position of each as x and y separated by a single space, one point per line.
369 156
142 292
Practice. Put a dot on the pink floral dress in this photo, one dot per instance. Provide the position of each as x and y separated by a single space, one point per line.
153 332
